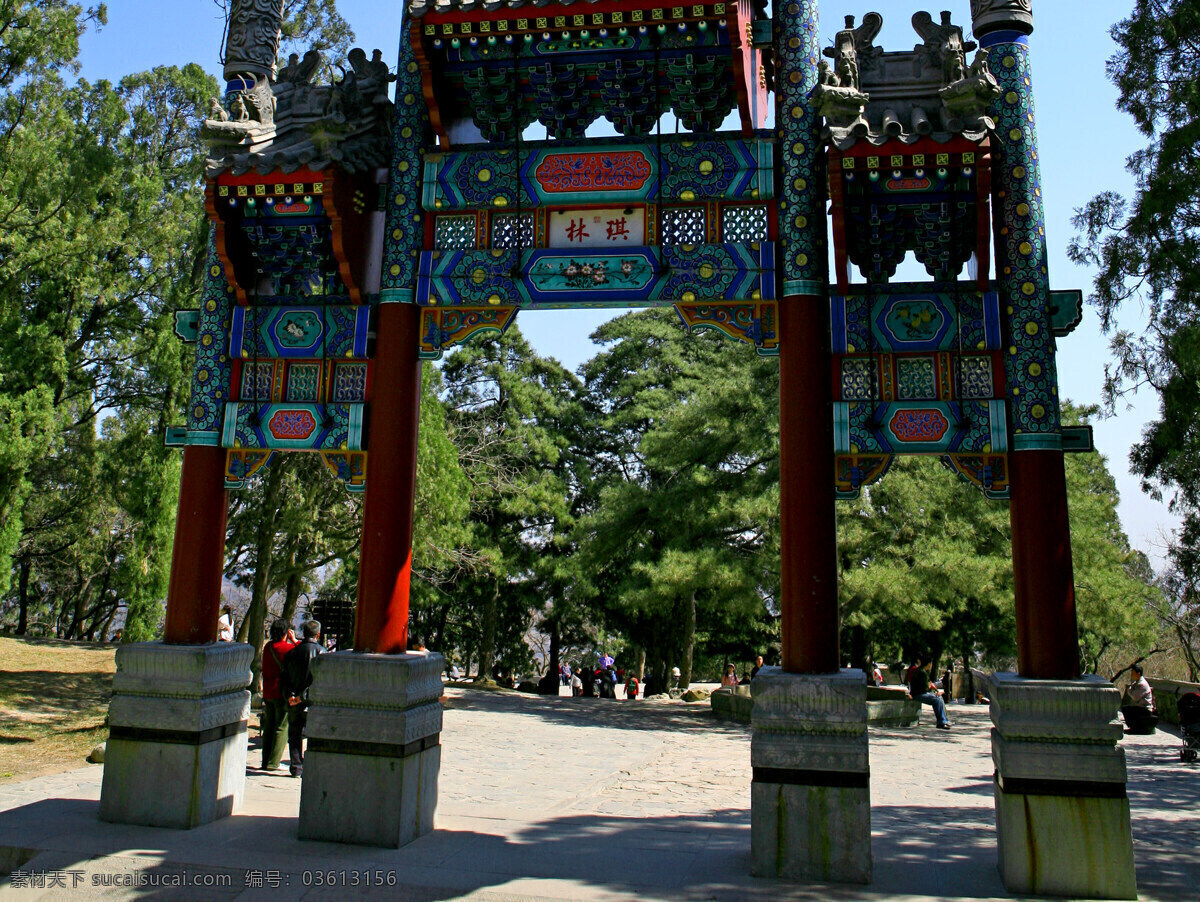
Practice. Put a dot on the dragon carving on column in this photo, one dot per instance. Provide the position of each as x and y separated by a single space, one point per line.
251 47
992 15
252 44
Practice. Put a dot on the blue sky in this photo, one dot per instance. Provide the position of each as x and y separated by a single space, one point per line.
1084 144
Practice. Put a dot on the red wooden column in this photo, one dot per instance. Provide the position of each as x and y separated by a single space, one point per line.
198 558
1044 582
386 567
807 502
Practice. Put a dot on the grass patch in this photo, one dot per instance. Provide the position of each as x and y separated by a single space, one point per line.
53 702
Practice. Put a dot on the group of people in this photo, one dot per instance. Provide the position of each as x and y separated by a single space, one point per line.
600 681
286 678
730 677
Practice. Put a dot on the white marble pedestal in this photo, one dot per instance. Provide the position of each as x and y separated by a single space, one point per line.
176 752
811 796
1062 813
373 758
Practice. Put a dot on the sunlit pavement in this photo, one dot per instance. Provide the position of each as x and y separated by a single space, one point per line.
587 799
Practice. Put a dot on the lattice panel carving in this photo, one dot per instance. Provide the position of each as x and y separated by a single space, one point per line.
512 230
858 379
349 383
975 375
743 224
304 382
916 378
258 380
454 233
683 225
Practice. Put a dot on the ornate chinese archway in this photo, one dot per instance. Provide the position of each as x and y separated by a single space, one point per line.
354 237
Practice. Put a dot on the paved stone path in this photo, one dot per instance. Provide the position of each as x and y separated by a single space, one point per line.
575 799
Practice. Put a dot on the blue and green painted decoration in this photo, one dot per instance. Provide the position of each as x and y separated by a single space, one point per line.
1023 274
561 278
734 224
679 168
405 218
803 241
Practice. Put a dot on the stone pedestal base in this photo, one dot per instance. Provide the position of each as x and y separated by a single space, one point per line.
811 797
1062 815
176 752
373 758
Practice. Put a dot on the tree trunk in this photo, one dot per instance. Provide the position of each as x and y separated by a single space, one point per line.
107 625
291 597
555 651
252 627
437 639
487 632
968 676
1185 643
858 647
689 641
639 664
23 597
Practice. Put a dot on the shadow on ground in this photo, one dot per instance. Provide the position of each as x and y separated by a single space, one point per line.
917 852
700 857
42 695
920 848
616 714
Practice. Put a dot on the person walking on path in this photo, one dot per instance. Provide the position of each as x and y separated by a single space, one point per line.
924 691
275 706
631 688
297 677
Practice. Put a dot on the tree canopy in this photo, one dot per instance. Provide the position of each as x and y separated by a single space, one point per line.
631 507
1146 249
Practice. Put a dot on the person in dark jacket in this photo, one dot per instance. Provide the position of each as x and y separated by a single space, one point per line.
923 691
296 678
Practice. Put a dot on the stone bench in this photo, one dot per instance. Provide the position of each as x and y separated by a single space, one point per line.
886 706
1166 697
893 713
732 703
890 706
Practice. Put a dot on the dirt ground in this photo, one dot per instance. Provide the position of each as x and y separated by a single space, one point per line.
53 701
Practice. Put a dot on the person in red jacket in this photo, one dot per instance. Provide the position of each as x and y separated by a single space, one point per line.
275 706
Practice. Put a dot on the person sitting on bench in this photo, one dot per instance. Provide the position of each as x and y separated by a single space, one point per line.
925 692
1139 709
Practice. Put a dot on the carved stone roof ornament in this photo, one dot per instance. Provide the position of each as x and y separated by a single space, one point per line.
247 119
270 124
944 46
1002 15
854 49
837 96
347 123
931 91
